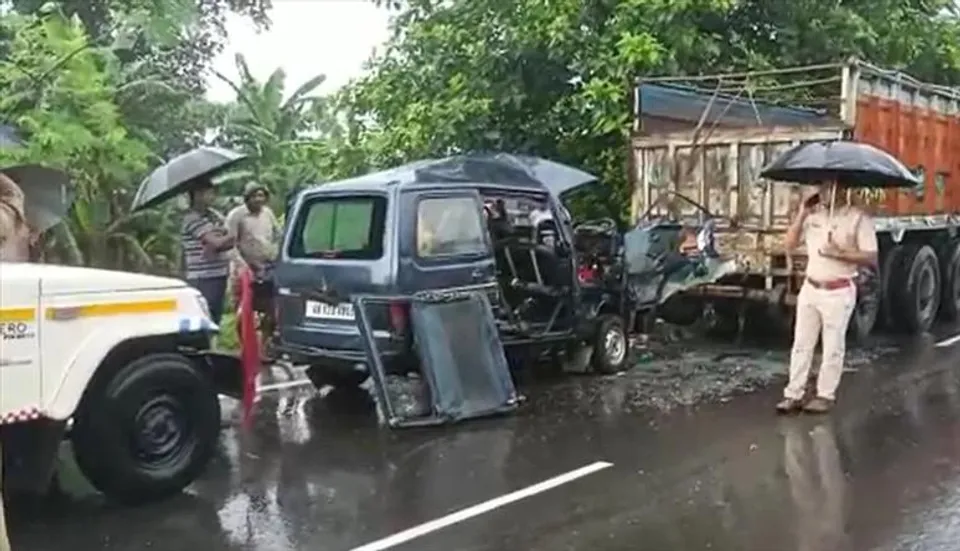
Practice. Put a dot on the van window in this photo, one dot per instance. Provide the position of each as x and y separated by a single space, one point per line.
449 226
340 227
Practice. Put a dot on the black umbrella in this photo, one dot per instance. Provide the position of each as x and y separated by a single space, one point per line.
47 194
176 176
851 164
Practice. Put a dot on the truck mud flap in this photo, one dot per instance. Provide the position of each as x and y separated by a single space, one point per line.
460 355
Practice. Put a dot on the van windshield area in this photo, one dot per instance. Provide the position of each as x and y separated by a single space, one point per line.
349 227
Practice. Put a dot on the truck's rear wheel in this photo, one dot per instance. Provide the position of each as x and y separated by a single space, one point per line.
917 288
148 430
950 278
889 272
865 314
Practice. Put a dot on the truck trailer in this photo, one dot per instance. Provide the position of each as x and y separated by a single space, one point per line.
707 137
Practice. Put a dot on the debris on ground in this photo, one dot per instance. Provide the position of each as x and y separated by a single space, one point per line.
673 368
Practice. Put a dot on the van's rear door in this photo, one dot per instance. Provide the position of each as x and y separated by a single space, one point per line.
342 241
444 244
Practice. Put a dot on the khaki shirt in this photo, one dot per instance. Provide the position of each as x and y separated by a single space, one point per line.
14 232
256 234
850 227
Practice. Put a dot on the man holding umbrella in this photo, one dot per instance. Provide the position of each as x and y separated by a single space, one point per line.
204 237
206 242
840 241
23 216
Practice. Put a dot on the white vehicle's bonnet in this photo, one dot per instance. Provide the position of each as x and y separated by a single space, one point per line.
65 280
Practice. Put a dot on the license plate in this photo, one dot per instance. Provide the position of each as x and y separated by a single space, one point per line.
322 310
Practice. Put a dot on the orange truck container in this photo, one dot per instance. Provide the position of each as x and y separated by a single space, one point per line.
708 136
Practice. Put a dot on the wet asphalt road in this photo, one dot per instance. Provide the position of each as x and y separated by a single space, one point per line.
881 473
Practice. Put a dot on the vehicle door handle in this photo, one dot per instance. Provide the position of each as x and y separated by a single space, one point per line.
477 273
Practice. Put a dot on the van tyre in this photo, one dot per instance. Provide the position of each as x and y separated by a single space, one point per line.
916 286
950 278
147 430
610 345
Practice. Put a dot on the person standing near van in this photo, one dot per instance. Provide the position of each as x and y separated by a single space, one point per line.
839 240
256 232
14 247
206 244
14 232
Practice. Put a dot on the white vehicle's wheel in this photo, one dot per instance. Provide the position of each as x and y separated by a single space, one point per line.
148 430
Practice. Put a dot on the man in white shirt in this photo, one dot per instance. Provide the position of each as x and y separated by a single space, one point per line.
257 234
838 244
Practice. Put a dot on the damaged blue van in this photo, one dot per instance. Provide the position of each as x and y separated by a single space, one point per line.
491 224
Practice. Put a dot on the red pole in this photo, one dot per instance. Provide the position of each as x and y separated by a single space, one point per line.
249 344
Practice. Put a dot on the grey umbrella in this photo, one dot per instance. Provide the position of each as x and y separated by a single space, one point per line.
852 164
47 194
176 176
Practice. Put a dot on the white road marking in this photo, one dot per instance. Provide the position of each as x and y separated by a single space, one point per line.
481 508
948 341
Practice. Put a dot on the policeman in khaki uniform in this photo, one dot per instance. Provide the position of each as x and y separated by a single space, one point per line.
838 241
14 247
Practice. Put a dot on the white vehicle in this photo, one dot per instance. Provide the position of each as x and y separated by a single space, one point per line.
122 356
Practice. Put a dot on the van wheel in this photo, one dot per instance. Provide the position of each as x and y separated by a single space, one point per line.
950 278
610 345
148 430
918 287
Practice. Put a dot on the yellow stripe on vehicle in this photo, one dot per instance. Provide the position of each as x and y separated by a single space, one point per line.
105 309
23 315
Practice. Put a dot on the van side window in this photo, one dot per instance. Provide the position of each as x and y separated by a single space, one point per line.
449 226
339 227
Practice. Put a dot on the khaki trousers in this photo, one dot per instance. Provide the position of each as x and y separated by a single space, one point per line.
4 540
825 314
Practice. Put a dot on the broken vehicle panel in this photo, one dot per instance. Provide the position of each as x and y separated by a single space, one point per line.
664 257
460 355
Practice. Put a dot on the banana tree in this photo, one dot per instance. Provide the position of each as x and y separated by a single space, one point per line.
274 130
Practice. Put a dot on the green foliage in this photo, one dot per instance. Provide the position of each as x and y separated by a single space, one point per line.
552 77
292 138
59 95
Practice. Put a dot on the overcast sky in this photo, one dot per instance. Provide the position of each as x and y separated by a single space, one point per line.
307 38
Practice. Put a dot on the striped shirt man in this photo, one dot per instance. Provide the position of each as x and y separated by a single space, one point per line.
199 261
